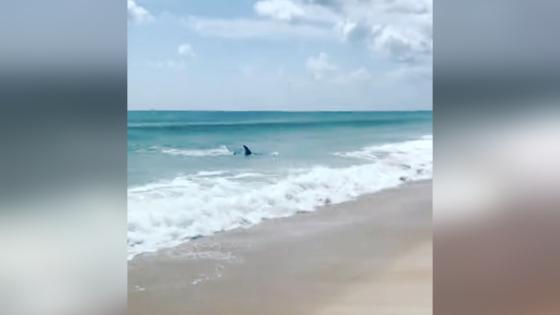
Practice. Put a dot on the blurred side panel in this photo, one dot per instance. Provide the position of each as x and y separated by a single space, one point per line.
63 157
497 157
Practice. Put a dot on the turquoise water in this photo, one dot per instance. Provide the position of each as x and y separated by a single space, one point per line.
187 179
281 139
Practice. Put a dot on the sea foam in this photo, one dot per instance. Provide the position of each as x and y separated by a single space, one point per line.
219 151
164 214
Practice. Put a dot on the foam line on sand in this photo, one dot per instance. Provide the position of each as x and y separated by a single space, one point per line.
372 255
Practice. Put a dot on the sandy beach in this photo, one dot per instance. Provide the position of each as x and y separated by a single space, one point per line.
372 255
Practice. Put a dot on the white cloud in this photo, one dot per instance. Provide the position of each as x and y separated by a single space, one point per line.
409 6
404 45
319 66
295 10
137 13
398 29
414 73
255 28
354 77
283 10
351 30
322 68
169 64
186 50
360 74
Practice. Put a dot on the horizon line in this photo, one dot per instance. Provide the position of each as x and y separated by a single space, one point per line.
280 110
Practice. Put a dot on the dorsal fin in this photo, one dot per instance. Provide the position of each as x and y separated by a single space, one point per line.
246 150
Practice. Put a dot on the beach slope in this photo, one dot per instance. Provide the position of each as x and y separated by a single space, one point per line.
372 255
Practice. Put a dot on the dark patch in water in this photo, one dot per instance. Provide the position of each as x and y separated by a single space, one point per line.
137 243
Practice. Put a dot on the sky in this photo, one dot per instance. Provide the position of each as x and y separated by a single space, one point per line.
280 54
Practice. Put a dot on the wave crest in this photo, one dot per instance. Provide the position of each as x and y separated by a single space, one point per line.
219 151
165 214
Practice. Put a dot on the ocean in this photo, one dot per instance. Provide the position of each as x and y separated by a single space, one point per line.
188 177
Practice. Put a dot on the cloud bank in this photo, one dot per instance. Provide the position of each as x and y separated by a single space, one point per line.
137 13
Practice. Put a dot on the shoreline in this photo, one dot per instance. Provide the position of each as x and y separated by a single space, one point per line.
350 258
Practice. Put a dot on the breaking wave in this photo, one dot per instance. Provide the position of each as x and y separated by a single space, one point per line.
219 151
164 214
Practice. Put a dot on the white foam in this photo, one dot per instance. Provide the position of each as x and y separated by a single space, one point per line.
210 173
219 151
400 152
247 175
168 213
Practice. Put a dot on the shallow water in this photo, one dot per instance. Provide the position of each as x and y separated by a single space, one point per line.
188 176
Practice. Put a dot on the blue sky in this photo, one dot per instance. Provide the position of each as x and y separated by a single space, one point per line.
280 54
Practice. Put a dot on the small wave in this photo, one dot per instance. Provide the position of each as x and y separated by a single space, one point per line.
396 152
167 213
220 151
210 173
247 175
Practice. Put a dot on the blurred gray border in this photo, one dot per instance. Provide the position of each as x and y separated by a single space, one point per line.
63 109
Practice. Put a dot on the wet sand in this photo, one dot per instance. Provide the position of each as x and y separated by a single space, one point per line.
368 256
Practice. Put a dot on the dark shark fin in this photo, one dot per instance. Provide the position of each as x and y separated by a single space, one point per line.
246 150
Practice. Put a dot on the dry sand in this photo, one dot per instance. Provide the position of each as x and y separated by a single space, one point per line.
368 256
